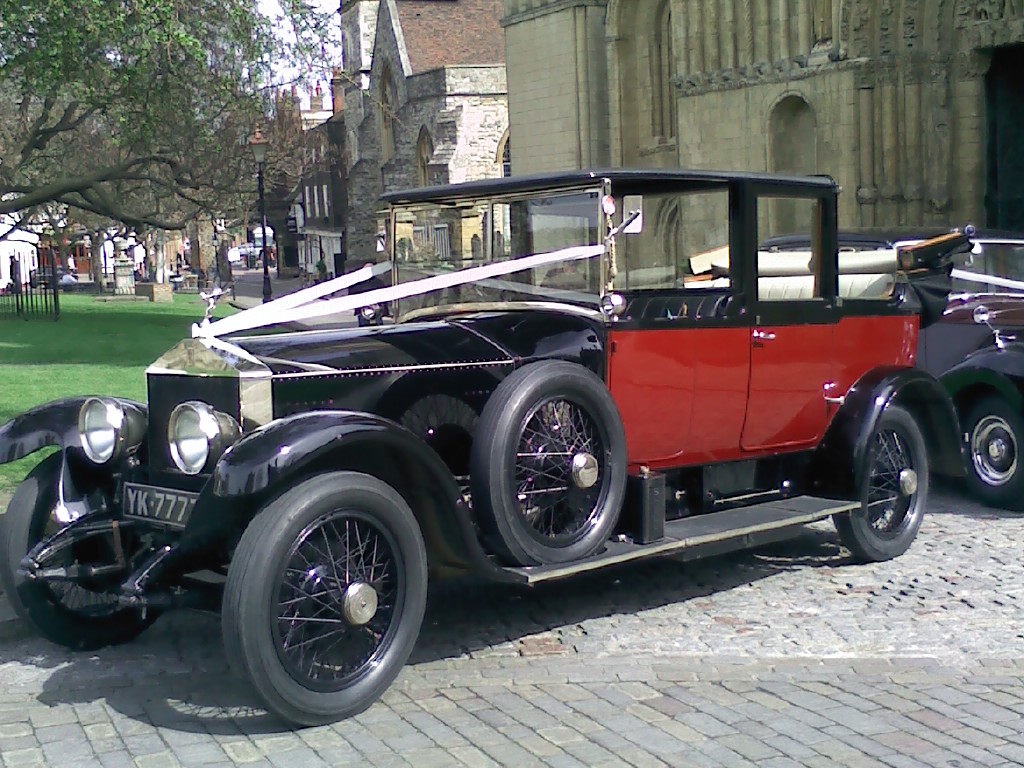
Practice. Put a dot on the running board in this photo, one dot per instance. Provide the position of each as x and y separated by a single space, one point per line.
701 535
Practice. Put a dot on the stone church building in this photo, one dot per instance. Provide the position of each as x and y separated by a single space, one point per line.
425 102
915 106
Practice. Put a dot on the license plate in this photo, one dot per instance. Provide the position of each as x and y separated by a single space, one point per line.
158 505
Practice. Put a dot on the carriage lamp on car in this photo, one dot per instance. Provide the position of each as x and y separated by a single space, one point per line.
198 434
109 429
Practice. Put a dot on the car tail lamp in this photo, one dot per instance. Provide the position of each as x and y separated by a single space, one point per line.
198 435
109 429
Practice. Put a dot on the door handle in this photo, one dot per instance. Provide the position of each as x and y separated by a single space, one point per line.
760 335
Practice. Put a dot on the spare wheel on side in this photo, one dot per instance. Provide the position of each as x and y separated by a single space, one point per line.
548 465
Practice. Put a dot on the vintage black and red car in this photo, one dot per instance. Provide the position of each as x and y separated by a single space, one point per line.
577 370
974 348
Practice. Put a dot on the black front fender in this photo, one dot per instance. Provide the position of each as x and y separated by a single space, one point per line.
53 423
271 459
838 465
997 368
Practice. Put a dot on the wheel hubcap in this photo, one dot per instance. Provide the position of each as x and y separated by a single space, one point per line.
359 604
908 482
994 451
585 470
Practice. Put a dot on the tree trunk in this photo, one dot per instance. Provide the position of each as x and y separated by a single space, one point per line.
62 249
98 239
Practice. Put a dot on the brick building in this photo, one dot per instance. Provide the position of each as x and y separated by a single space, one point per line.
320 208
425 101
914 106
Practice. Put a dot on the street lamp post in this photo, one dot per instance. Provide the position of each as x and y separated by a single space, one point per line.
258 142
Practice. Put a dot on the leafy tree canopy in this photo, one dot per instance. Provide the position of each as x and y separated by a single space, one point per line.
139 110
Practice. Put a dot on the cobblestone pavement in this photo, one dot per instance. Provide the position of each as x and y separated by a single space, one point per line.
787 656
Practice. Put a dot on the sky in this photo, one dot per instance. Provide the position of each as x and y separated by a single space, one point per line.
308 80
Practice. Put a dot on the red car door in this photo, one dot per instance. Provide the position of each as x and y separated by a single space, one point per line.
681 389
792 339
791 369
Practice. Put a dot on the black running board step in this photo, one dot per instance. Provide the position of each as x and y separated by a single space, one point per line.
703 535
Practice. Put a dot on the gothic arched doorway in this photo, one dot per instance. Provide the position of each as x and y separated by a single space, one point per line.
1004 91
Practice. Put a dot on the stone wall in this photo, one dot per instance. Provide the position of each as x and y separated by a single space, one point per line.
888 97
463 109
557 83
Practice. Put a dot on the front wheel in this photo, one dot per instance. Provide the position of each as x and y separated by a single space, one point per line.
994 434
894 489
325 596
82 617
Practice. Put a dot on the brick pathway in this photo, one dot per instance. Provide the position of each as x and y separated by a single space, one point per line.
789 656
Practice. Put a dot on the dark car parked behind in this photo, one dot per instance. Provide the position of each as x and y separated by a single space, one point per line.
975 349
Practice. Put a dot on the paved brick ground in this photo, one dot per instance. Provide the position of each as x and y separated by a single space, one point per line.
789 656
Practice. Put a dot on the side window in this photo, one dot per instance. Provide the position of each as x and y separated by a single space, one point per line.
789 275
683 242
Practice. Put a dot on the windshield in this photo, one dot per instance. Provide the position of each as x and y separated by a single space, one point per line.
439 239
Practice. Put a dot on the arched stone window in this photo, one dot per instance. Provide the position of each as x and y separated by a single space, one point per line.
424 154
387 115
505 154
793 133
663 70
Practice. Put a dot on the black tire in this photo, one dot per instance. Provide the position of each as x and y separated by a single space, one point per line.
995 470
520 457
65 614
275 599
892 503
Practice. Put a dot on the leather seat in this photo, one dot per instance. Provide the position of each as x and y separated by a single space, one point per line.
866 286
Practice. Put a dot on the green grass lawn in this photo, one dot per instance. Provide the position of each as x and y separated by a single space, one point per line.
96 348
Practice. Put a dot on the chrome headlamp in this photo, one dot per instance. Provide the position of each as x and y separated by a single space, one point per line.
198 434
108 429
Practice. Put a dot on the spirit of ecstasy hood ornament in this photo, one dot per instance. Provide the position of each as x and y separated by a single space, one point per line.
211 300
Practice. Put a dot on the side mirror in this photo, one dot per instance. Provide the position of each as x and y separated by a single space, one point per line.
631 204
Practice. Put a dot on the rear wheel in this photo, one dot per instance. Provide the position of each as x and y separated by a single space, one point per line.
78 616
325 596
893 490
995 432
548 464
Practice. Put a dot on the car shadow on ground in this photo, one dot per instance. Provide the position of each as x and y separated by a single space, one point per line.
176 675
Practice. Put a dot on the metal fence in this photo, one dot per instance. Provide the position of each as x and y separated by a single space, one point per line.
30 293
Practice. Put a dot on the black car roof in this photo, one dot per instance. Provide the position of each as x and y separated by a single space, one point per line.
632 179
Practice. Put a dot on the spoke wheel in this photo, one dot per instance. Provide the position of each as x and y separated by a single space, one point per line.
325 596
77 616
894 490
995 433
340 591
892 483
558 472
548 465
